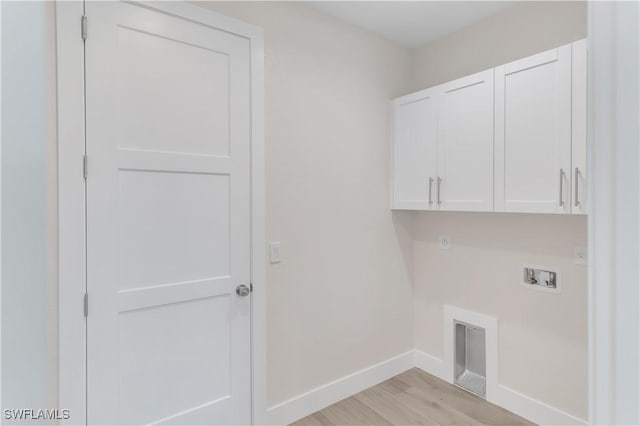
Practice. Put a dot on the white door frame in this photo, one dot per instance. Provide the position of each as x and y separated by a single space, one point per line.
614 197
71 201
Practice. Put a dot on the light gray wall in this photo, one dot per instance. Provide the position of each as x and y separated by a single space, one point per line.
521 30
542 337
28 206
341 298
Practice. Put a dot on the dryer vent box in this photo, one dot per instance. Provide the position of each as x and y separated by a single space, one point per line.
470 358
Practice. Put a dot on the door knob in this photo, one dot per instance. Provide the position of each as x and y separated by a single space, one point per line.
243 290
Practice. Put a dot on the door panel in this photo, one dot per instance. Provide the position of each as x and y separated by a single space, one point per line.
465 145
168 219
415 151
189 209
146 75
533 133
173 352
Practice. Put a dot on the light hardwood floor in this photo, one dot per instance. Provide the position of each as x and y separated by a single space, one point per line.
413 398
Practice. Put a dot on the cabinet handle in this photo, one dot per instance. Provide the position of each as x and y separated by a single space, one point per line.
439 180
577 188
561 203
430 185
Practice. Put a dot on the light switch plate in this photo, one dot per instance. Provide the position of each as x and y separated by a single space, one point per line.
444 242
274 252
580 255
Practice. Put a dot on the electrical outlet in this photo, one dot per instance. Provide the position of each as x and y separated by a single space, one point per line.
274 252
580 255
444 242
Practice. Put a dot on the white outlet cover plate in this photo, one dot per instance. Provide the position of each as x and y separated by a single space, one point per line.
580 255
274 252
444 242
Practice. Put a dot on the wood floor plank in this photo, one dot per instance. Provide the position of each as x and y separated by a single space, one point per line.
463 401
413 398
316 419
424 401
352 412
387 406
452 403
393 386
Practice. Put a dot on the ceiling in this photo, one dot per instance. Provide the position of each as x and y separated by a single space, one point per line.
411 23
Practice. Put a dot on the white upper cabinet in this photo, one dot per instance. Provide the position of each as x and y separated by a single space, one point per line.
579 128
509 139
415 151
465 143
533 133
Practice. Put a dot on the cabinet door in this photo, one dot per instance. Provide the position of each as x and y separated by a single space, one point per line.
579 127
415 151
465 143
533 133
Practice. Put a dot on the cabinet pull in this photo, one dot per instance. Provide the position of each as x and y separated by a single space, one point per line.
577 188
561 203
430 185
439 180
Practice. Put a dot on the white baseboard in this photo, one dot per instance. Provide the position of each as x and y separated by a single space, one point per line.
323 396
507 398
532 409
430 364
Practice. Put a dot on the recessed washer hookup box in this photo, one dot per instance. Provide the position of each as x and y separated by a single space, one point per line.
470 358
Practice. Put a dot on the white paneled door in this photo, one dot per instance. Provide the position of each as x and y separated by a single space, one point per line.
533 133
465 143
168 219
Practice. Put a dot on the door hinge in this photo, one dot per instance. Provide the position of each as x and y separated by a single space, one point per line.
84 167
86 305
251 287
83 27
